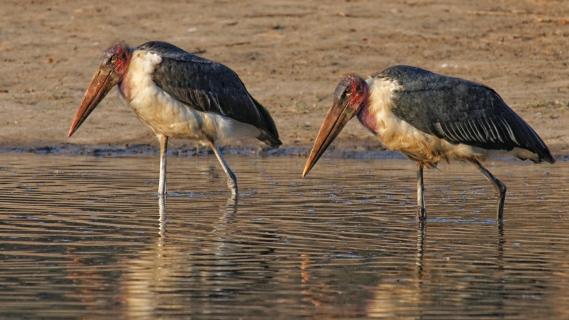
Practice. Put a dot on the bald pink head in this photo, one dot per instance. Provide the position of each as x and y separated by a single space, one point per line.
118 56
350 96
111 71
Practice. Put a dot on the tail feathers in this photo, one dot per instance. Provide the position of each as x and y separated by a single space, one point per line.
545 155
529 139
539 153
269 139
269 133
535 144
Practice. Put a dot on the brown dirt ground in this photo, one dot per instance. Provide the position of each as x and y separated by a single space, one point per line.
290 54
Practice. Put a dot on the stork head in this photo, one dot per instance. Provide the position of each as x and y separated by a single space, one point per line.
350 96
110 72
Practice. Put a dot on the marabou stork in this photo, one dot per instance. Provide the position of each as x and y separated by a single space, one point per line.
431 117
180 95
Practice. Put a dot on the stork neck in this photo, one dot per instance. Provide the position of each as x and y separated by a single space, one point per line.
367 117
125 86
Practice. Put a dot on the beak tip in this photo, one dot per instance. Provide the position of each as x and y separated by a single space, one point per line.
305 171
101 83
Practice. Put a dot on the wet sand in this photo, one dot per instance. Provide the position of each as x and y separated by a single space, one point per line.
290 54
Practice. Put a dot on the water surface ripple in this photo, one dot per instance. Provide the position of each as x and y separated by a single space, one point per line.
88 237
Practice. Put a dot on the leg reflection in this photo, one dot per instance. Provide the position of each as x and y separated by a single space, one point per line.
163 216
222 229
230 212
421 234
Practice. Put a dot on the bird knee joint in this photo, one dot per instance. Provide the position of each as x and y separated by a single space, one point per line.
502 187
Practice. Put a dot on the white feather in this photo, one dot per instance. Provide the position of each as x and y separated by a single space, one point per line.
166 115
398 135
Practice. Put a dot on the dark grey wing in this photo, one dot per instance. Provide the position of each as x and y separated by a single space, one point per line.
208 86
461 111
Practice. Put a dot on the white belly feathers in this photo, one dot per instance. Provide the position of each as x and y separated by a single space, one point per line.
166 115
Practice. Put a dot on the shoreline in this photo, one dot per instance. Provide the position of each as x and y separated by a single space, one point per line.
118 150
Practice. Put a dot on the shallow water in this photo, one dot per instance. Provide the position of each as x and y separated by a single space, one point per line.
86 236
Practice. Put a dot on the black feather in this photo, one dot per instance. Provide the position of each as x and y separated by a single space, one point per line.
208 86
460 111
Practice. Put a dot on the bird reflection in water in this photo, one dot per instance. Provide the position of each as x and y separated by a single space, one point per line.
379 295
172 260
163 215
227 217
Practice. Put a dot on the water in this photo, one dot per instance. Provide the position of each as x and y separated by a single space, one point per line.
87 237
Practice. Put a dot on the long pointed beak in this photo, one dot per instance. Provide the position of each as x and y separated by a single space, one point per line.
101 83
337 117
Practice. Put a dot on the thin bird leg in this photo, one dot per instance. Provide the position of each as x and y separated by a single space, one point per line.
231 179
421 211
499 185
163 151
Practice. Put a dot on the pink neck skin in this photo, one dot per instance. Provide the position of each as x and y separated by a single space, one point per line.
123 84
366 117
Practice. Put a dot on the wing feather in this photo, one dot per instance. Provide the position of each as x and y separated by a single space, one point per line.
460 111
209 86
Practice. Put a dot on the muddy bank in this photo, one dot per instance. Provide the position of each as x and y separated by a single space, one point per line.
111 150
290 54
194 151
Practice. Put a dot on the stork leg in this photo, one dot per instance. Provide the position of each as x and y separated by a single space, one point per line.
499 185
231 178
421 211
163 151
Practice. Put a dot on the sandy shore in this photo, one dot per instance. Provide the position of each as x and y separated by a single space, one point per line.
290 54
